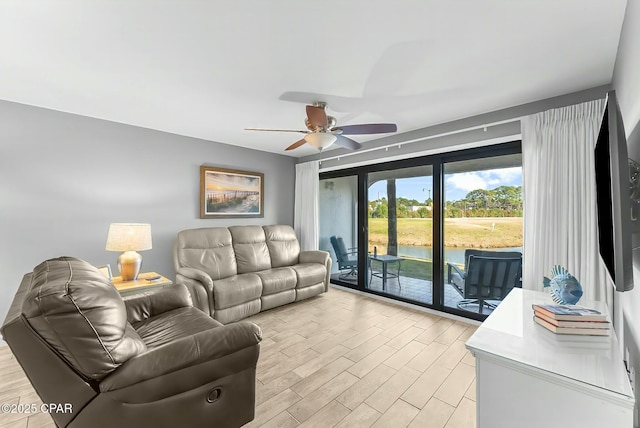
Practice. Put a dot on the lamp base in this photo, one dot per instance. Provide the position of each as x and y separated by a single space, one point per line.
129 264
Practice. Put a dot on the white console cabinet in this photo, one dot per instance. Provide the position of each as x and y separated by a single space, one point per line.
529 377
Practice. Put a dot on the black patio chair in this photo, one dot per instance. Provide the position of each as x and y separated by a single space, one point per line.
347 258
488 275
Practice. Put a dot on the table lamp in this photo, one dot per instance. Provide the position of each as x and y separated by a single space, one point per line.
129 238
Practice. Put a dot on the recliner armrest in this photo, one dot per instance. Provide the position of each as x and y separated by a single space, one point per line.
182 353
318 256
146 305
313 256
196 275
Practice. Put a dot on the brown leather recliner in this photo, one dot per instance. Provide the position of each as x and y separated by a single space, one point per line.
152 360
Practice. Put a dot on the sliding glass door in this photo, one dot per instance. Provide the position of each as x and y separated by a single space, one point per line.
483 231
407 229
400 238
339 225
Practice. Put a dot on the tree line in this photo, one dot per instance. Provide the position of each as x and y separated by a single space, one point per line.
503 201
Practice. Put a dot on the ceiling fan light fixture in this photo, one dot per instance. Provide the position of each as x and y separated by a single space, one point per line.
320 140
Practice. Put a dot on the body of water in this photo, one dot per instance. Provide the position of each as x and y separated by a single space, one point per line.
451 254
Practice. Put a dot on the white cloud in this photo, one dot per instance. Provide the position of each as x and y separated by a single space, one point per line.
503 176
467 181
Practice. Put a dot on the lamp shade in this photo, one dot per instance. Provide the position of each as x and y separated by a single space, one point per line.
320 140
129 237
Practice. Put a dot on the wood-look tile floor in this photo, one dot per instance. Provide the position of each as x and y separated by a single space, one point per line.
338 360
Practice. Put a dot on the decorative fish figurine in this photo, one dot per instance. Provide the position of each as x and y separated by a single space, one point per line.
565 288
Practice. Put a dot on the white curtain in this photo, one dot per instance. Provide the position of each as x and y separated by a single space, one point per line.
560 218
306 204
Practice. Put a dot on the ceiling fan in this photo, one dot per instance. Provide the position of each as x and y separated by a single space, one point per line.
323 132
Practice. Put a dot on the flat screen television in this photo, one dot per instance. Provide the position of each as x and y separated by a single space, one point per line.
613 194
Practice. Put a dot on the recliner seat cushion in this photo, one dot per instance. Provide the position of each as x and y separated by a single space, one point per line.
176 324
236 290
75 308
277 280
309 274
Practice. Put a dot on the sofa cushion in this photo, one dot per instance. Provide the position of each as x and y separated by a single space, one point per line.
207 249
236 289
309 274
75 309
172 325
277 280
236 313
278 299
310 291
250 248
283 245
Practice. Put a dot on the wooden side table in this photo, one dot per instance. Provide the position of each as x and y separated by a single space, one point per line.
140 285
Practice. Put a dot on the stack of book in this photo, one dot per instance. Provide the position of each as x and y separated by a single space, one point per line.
571 319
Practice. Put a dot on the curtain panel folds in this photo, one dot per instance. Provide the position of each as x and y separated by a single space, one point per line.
560 217
306 217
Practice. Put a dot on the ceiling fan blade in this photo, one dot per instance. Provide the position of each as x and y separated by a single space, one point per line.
369 128
317 117
347 143
296 144
275 130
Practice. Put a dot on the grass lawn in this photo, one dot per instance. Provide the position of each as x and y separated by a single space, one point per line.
420 269
481 232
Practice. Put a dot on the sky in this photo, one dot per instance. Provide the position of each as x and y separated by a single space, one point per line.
230 181
456 185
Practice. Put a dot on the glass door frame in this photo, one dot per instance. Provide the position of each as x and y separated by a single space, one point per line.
436 161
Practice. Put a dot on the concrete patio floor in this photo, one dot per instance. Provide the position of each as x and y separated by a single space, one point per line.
419 290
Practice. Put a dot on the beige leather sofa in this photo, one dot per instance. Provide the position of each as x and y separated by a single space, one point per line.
151 360
238 271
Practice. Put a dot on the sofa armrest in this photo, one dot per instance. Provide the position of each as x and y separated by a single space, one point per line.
318 256
200 286
314 256
182 353
146 305
197 275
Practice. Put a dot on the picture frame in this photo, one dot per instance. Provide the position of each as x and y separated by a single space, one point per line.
231 193
106 271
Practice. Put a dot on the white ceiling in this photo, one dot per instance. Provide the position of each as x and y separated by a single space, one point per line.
208 69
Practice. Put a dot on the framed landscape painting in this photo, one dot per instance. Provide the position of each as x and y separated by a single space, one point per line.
228 193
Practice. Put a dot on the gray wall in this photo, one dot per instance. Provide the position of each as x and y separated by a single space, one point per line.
64 178
626 82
